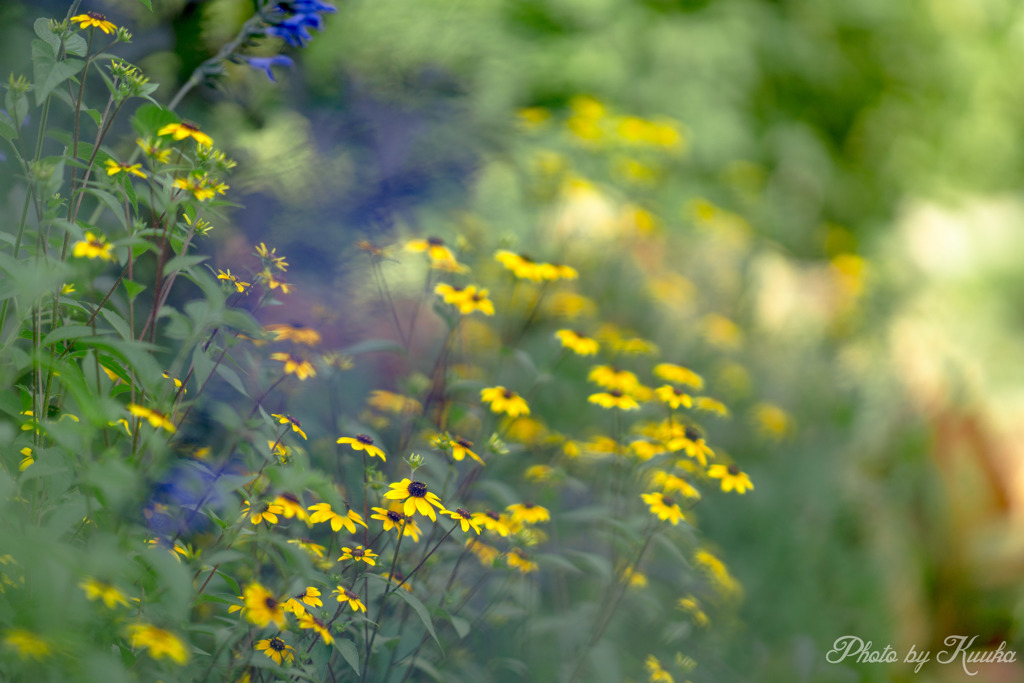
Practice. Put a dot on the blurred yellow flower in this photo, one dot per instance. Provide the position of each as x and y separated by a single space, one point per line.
578 343
732 478
93 247
505 401
160 643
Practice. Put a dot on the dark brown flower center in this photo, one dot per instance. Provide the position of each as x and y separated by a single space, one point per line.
691 434
617 393
733 470
417 489
350 595
668 501
358 552
271 603
277 644
461 512
364 439
96 15
508 393
435 241
462 442
395 517
493 515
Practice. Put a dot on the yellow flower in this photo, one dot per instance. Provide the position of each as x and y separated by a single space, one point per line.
523 267
614 399
692 442
393 403
505 401
528 513
362 442
113 168
538 473
461 448
27 459
607 377
289 420
155 417
672 483
276 649
464 518
658 674
664 508
417 498
517 558
358 554
200 186
710 405
677 374
290 506
772 421
310 596
91 19
226 275
153 150
268 512
673 397
578 343
322 512
492 521
485 553
294 365
294 333
440 255
185 129
94 246
261 607
645 450
98 590
732 478
308 621
309 546
351 598
270 258
394 518
161 643
26 644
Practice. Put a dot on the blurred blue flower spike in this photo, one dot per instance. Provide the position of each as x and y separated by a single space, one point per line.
303 14
266 63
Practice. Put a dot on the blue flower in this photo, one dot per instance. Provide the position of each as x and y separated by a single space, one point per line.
304 14
266 62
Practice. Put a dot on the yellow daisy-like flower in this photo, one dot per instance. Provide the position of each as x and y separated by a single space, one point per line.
673 397
94 247
417 498
185 129
351 598
732 478
27 459
199 185
577 343
772 421
538 473
159 642
440 255
362 442
308 621
276 649
270 258
518 558
155 417
710 405
113 168
309 546
98 590
294 333
310 596
464 518
493 521
290 506
261 607
664 508
670 483
358 554
677 374
528 513
322 513
485 553
26 644
503 400
268 512
394 518
461 448
693 444
607 377
523 267
289 420
658 674
614 399
94 19
226 275
153 150
294 365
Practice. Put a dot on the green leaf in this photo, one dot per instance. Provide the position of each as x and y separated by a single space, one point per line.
48 72
148 4
232 378
133 288
183 262
421 611
67 332
149 118
117 322
348 650
8 131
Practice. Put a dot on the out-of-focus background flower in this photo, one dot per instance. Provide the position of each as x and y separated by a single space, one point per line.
823 200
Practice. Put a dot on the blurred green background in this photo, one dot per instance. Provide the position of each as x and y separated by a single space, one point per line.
848 196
